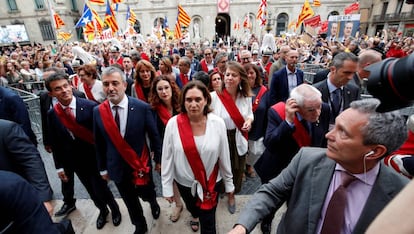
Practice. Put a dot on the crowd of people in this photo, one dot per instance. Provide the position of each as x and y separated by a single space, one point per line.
204 118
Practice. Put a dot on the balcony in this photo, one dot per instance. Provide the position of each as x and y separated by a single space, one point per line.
392 17
407 15
379 18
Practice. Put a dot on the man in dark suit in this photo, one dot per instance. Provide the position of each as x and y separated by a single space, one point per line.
284 80
121 125
342 70
46 103
14 109
70 128
360 139
22 210
302 121
186 73
19 155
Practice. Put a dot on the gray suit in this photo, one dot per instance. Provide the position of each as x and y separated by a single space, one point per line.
304 185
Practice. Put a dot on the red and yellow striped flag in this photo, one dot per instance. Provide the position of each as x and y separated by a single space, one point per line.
177 30
98 2
117 1
64 35
110 19
58 21
99 22
132 17
183 18
316 3
305 13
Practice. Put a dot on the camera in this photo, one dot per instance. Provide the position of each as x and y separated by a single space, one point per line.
392 82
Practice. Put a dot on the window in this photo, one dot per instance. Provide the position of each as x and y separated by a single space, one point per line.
46 29
12 5
384 8
281 24
40 4
399 7
74 5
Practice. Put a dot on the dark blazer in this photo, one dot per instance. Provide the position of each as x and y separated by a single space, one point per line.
14 109
178 80
279 89
19 155
281 146
45 106
350 93
320 76
68 151
304 185
21 207
259 124
140 121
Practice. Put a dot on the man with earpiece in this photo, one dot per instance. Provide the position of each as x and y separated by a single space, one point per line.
340 189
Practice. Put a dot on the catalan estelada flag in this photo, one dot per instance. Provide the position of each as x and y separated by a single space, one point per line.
305 13
110 19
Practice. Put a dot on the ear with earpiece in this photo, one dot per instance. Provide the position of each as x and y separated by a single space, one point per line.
369 154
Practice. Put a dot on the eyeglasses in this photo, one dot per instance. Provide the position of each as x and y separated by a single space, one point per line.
224 61
207 54
245 59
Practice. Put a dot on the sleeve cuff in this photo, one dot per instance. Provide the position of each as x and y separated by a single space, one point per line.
103 172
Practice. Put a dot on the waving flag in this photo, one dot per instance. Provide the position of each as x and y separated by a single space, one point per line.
236 25
131 16
316 3
110 19
117 1
165 25
177 30
246 22
262 13
351 8
98 2
305 13
85 18
183 18
58 21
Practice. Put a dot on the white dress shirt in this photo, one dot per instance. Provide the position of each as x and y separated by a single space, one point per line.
122 112
97 91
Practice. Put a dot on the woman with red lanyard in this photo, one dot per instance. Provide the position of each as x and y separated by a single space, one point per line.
196 155
259 107
144 75
234 105
90 86
164 99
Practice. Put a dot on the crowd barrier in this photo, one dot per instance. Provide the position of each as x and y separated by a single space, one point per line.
34 87
32 102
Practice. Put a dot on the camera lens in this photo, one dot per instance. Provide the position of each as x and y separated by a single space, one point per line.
392 82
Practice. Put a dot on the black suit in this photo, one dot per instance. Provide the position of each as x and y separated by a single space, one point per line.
279 87
19 155
76 155
45 105
350 93
14 109
21 209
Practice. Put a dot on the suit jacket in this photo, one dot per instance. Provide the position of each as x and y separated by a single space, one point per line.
259 124
350 93
140 121
68 151
22 208
304 185
19 155
45 106
14 109
279 91
178 80
281 146
320 76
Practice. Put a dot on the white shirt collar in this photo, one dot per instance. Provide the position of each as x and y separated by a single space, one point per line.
123 104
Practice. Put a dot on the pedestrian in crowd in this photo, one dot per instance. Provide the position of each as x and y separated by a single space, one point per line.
121 127
207 63
259 108
144 75
278 64
284 80
200 153
70 126
91 86
216 82
166 68
302 121
348 173
194 63
336 89
19 155
234 104
186 73
220 62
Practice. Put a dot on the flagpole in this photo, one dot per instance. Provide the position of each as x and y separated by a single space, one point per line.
53 19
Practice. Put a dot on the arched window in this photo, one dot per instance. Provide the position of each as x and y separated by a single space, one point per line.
281 23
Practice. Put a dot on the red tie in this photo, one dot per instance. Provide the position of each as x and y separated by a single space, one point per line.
68 112
335 213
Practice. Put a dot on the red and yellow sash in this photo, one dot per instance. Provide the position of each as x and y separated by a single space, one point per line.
233 111
259 95
141 174
300 134
88 92
70 123
194 159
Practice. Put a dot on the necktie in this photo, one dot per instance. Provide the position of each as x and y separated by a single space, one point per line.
68 112
336 100
335 213
117 116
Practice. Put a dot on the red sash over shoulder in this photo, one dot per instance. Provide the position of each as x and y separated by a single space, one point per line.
140 92
184 79
73 126
141 174
187 139
259 95
233 111
163 113
204 66
300 134
88 92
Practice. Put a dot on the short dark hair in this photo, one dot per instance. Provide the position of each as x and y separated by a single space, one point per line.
54 77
